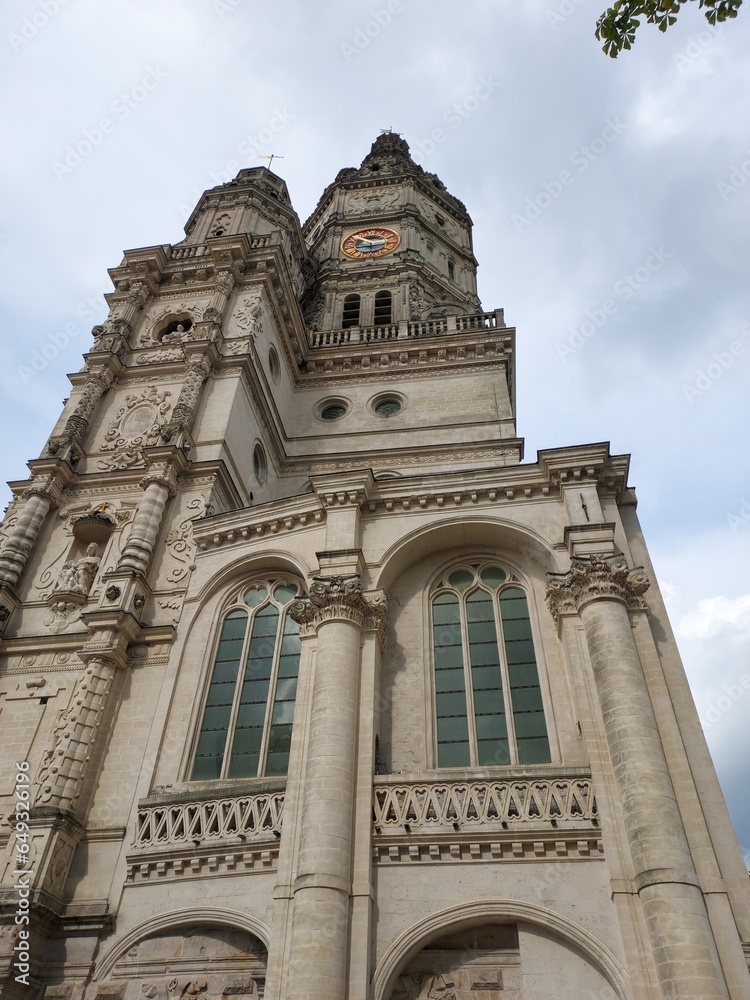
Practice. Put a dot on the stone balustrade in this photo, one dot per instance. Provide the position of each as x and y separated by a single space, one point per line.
209 821
419 805
407 331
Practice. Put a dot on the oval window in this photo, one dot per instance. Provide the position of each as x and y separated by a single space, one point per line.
260 467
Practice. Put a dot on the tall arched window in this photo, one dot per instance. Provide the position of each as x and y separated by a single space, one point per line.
246 729
350 315
383 309
488 701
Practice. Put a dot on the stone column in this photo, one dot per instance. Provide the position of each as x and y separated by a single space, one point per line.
96 385
224 282
198 370
43 494
122 315
63 767
601 591
338 612
159 484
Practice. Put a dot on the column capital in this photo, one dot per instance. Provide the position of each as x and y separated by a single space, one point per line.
47 485
595 578
341 597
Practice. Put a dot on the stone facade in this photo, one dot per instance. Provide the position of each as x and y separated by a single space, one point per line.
311 688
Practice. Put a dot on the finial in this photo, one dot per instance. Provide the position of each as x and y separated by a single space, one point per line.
271 158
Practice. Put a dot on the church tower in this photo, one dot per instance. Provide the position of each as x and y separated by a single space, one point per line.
311 688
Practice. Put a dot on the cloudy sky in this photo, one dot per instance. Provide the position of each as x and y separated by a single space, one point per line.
610 200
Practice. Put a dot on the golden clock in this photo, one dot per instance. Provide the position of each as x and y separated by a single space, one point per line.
370 243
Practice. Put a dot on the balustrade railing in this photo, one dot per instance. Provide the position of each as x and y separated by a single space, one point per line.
483 803
210 820
201 249
405 330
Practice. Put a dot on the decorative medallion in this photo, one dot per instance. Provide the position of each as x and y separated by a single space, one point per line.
370 243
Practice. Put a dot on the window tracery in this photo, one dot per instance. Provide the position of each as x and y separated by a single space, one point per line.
488 699
246 726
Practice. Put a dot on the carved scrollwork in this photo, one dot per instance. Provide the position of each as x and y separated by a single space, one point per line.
595 578
136 426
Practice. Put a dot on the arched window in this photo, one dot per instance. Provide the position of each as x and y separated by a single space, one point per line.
350 315
488 701
383 309
246 729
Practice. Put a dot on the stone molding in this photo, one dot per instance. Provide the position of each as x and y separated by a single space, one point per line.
527 846
337 598
595 578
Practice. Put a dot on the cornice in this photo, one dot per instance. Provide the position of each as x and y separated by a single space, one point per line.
465 490
239 526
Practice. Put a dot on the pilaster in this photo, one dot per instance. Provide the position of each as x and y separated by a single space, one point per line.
602 590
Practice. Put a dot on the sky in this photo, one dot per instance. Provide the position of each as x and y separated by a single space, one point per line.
610 199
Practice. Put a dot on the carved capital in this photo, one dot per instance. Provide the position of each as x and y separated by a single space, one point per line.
341 597
138 294
47 486
225 282
163 474
595 578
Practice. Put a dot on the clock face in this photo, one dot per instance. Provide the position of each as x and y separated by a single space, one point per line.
370 243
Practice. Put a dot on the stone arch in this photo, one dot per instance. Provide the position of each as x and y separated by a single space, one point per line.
478 912
405 571
473 532
175 920
248 564
202 614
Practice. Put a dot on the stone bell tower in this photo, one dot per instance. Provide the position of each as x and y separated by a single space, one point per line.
311 688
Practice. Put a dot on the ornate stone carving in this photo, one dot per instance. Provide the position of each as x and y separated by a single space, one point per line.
592 578
159 357
341 597
199 368
61 613
136 426
361 201
77 577
180 544
248 317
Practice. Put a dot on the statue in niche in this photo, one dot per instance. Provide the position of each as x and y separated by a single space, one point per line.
77 577
174 336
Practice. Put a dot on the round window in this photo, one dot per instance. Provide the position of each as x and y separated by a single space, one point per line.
273 364
260 467
333 412
387 407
